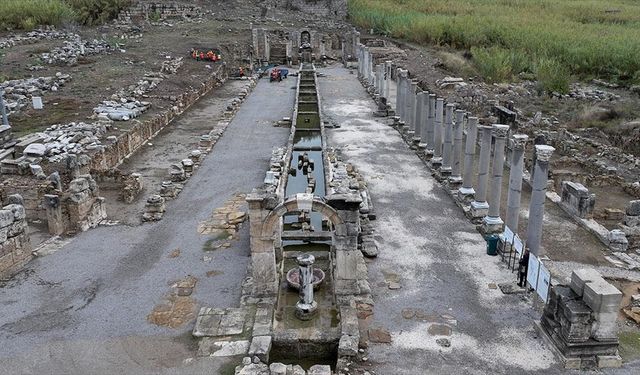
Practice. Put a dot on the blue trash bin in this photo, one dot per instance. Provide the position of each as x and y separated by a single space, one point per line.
492 244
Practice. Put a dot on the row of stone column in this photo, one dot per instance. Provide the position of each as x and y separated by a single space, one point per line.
374 75
437 129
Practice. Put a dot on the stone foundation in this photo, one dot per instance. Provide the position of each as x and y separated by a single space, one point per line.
15 246
580 321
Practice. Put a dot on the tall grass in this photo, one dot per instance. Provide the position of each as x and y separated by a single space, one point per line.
28 14
550 38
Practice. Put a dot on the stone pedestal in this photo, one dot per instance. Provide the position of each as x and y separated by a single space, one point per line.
466 193
576 199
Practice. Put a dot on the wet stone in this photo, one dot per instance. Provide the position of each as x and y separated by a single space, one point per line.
408 313
439 330
379 335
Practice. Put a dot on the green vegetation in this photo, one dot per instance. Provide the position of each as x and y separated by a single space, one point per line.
28 14
549 39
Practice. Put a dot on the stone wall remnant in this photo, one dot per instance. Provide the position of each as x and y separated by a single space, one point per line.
577 200
580 321
15 245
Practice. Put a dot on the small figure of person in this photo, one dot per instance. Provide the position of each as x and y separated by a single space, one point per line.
523 268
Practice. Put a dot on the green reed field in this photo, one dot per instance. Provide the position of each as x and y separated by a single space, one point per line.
552 40
28 14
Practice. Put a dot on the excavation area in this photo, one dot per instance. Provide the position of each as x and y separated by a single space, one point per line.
261 188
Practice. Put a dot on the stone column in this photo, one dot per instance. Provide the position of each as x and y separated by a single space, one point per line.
493 222
419 115
436 162
447 152
424 118
518 143
431 113
3 110
387 79
538 196
378 79
400 94
466 192
411 107
456 164
480 206
306 306
55 220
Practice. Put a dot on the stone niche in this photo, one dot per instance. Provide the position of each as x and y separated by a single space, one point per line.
577 199
580 321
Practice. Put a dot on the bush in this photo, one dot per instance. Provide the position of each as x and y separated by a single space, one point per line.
552 76
27 14
494 64
94 12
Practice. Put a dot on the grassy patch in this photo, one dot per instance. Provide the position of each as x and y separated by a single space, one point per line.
552 39
629 346
28 14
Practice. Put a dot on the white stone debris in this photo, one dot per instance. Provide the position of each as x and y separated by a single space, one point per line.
19 92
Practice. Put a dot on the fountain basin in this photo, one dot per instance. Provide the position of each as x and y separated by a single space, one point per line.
293 278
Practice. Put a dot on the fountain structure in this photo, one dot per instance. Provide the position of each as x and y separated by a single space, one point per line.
306 269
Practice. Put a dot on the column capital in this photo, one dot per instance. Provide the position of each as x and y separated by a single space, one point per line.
519 141
485 127
500 131
544 152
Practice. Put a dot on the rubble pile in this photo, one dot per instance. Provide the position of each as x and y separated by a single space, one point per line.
171 66
18 92
58 141
34 36
72 49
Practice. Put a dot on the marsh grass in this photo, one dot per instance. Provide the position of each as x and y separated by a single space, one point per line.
553 39
29 14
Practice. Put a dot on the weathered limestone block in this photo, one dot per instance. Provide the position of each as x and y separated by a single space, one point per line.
155 208
348 346
177 173
187 165
15 245
618 240
576 198
278 369
133 187
320 370
260 347
168 189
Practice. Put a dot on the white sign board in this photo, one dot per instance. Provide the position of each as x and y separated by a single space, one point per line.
507 235
544 282
518 245
532 272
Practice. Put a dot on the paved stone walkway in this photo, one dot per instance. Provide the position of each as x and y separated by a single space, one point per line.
447 282
82 310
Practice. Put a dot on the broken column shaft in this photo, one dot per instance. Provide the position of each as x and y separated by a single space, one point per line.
538 196
518 143
493 223
419 116
436 162
480 206
306 306
456 164
447 150
466 192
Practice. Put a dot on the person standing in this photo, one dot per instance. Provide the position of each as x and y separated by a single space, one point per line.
523 268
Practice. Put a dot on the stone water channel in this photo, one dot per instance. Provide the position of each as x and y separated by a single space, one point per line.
306 234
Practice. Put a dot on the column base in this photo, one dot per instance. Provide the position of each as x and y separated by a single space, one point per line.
443 174
479 209
306 311
492 224
415 140
436 162
455 182
466 195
